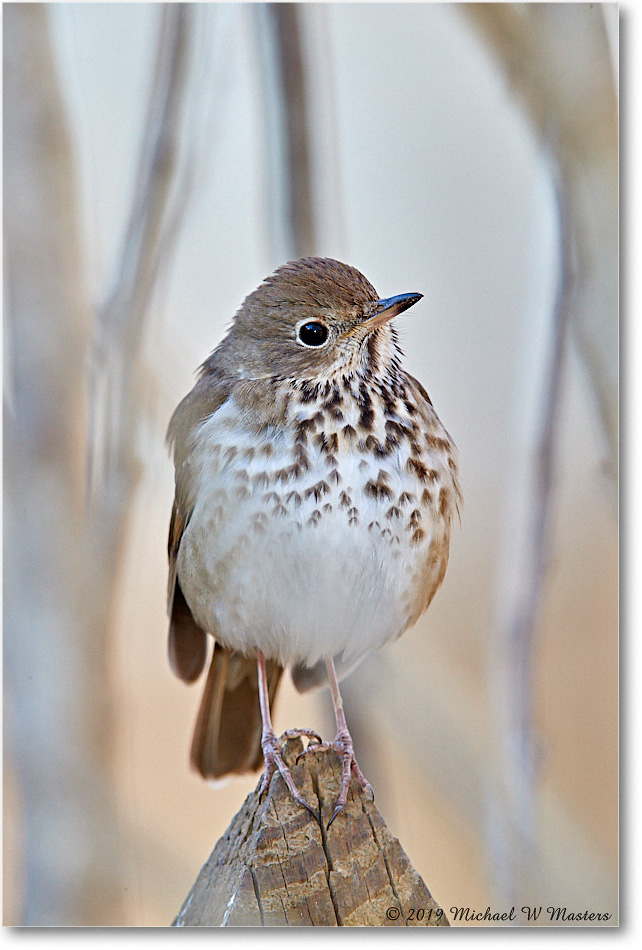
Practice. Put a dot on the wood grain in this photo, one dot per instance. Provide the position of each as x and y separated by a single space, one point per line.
276 865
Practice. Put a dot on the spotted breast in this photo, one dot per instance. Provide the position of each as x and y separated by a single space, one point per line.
326 530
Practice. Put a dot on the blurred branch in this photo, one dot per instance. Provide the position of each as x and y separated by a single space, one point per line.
445 743
525 565
59 715
60 576
158 203
283 81
558 64
557 61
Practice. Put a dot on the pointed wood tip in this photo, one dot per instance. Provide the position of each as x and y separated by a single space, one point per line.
276 865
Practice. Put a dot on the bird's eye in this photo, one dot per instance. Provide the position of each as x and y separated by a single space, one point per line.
313 333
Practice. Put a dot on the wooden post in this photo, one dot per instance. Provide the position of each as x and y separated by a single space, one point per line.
277 866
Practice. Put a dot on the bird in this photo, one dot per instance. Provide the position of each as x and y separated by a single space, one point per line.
315 490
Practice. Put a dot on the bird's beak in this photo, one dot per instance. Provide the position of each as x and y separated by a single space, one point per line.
388 308
391 307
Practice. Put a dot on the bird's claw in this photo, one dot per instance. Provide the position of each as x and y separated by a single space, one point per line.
299 733
274 761
343 745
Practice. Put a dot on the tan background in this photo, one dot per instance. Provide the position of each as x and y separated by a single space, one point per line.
429 179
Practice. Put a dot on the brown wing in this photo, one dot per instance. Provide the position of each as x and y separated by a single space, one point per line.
187 645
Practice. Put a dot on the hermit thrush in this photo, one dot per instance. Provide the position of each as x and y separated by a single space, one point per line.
315 489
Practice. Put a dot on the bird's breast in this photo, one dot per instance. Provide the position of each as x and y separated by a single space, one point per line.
319 537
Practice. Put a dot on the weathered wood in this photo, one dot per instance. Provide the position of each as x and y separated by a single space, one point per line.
278 866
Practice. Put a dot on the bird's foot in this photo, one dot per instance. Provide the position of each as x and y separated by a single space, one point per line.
273 756
343 745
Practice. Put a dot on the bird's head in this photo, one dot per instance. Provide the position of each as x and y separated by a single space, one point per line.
312 319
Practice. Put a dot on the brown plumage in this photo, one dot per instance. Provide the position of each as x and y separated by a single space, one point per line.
315 489
227 735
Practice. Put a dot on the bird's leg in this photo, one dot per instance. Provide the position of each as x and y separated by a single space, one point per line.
342 744
271 746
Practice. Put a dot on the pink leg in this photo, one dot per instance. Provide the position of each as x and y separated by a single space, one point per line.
343 745
272 746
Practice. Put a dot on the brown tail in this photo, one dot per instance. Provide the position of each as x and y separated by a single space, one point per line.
227 736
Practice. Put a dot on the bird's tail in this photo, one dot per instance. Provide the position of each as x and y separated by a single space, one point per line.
227 736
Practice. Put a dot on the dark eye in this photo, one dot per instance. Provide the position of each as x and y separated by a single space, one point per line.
313 333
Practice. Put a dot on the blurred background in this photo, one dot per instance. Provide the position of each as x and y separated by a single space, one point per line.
159 161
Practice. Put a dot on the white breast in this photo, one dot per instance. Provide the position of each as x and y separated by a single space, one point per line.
301 564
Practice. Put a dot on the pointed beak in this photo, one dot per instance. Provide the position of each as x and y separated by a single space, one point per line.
388 308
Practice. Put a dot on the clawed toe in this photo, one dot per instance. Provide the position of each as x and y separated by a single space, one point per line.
272 752
299 734
361 779
343 745
274 761
315 747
